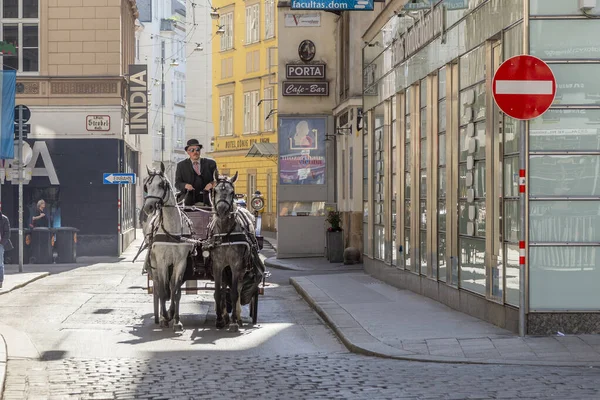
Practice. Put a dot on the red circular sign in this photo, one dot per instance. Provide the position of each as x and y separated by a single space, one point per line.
524 87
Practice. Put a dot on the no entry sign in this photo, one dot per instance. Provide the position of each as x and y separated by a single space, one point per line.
524 87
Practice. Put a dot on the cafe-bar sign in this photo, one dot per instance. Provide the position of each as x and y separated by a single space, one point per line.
306 88
330 5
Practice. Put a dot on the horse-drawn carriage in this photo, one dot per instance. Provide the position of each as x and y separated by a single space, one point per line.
207 248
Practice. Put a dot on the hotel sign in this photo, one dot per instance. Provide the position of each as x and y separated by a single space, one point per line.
293 71
306 88
243 143
138 99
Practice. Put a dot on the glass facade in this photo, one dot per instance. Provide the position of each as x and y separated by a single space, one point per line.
453 204
449 144
564 163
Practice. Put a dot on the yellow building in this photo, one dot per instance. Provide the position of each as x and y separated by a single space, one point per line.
244 98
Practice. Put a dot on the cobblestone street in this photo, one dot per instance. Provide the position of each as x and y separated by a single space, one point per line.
311 376
93 337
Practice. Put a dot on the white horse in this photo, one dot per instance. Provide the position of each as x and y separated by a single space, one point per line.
168 255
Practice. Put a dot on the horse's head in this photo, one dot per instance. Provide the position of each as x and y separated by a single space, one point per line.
157 190
224 194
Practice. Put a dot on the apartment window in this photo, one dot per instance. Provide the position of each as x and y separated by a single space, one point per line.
251 185
269 19
252 23
226 115
251 112
227 37
19 23
268 117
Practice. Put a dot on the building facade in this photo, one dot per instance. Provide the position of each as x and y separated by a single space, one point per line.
199 82
72 62
441 162
161 46
244 101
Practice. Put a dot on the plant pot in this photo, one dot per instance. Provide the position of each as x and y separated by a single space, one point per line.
335 246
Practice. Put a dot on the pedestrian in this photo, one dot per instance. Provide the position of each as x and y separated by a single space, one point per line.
40 219
5 243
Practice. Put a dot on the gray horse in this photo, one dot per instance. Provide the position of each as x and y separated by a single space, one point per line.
168 255
230 224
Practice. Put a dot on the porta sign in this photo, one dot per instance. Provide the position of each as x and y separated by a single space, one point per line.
305 71
138 99
524 87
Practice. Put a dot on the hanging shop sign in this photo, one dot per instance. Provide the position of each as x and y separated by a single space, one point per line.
305 88
313 71
302 20
138 99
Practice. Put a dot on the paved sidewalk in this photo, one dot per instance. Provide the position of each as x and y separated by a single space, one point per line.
374 318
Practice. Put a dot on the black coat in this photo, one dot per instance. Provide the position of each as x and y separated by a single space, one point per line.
5 232
185 174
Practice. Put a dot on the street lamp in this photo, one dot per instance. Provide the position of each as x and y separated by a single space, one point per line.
214 14
221 30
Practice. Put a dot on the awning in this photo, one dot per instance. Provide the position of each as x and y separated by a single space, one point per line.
268 150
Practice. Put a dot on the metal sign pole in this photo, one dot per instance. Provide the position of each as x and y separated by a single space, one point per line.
522 250
20 171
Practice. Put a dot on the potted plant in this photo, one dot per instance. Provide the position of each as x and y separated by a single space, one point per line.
335 237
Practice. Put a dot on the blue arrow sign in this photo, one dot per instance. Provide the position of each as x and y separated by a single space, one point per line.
119 179
337 5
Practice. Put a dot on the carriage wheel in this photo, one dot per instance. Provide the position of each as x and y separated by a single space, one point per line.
155 295
254 309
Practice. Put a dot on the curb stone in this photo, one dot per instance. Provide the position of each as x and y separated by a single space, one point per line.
3 361
23 284
375 348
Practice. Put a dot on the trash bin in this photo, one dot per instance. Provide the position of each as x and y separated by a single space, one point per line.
41 246
66 245
12 257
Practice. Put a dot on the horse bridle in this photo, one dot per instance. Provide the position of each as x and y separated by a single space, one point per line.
214 193
163 198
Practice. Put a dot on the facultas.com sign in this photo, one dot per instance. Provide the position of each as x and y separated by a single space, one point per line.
348 5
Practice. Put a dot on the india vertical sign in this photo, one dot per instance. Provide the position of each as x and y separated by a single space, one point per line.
138 99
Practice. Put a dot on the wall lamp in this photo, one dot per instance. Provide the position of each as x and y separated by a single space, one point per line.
221 30
273 111
261 100
214 14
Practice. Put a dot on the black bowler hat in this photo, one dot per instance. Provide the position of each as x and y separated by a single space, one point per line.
193 142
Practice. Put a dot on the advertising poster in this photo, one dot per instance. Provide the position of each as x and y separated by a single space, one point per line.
302 150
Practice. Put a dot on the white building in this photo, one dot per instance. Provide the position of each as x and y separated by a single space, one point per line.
161 45
198 122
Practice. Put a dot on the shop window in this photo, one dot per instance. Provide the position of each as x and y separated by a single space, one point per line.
562 39
560 130
423 177
472 172
407 182
441 183
378 184
394 184
366 184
